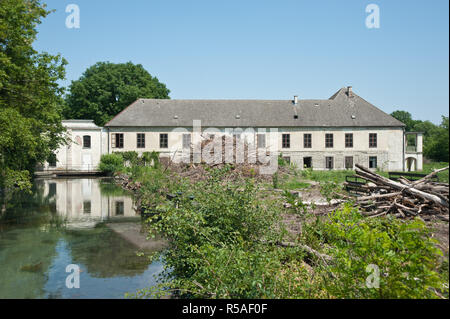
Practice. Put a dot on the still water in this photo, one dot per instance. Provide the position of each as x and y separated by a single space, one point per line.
87 222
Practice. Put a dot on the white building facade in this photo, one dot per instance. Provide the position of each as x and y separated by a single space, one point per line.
334 133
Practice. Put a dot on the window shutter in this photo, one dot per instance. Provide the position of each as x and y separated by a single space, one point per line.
113 140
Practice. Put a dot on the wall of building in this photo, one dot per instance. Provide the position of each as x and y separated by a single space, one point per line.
389 150
74 155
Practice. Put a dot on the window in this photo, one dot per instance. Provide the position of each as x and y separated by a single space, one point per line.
163 140
261 140
328 140
140 140
186 141
117 140
307 162
52 160
349 140
286 140
349 162
87 141
373 140
86 207
329 162
287 159
120 208
372 162
307 140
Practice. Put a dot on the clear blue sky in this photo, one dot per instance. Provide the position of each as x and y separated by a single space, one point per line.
256 49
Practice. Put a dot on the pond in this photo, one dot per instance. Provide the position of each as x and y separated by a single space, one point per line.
90 223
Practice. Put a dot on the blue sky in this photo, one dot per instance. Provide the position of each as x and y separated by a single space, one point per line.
256 49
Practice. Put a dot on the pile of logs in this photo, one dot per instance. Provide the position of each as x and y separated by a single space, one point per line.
404 199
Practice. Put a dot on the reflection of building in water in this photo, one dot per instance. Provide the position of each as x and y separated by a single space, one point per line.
82 204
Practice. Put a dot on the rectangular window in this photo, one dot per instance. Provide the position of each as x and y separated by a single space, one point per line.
307 140
373 140
261 140
329 162
140 140
87 141
349 140
120 208
163 140
286 140
186 141
307 162
372 162
349 162
117 140
328 140
86 207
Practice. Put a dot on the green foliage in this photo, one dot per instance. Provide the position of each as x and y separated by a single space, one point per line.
30 97
215 228
130 157
326 175
403 251
105 89
223 239
431 167
150 159
330 189
111 163
435 137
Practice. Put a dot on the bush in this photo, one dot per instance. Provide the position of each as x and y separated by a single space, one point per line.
403 251
111 163
214 230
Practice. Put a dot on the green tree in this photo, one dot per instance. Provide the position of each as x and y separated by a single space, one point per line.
405 118
105 89
435 137
436 144
30 97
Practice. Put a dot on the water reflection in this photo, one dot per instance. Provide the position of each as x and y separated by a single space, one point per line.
83 203
88 222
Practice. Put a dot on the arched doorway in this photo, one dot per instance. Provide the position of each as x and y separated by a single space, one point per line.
411 164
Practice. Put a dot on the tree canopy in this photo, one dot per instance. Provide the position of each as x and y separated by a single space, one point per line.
435 137
30 97
105 89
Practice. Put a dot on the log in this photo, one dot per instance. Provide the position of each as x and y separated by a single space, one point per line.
361 170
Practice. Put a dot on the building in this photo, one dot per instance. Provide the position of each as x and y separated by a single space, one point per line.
334 133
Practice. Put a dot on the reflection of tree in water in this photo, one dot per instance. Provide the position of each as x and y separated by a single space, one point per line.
28 238
108 188
29 209
104 253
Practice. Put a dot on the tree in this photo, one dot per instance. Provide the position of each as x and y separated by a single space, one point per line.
436 146
435 137
105 89
30 97
405 118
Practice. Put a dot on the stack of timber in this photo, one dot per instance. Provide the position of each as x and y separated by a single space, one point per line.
422 198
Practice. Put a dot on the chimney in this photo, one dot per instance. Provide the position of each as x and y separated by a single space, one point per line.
295 99
349 91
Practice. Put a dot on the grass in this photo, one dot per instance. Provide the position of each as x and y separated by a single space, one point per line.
430 167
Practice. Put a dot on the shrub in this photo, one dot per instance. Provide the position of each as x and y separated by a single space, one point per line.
111 163
403 251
